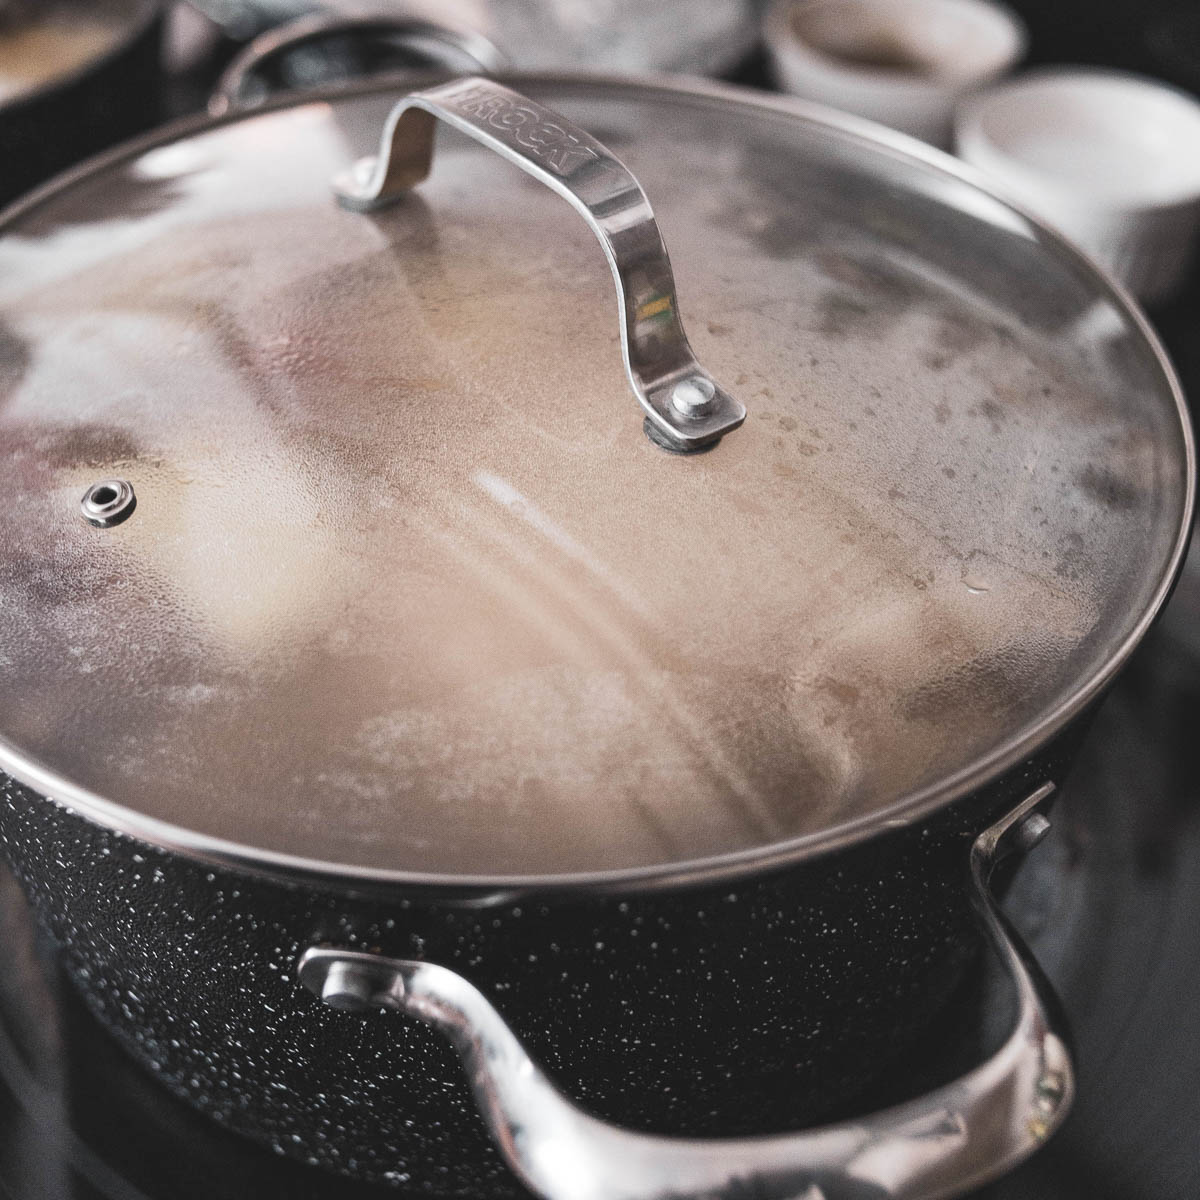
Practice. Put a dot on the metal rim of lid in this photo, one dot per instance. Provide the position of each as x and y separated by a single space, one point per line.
493 889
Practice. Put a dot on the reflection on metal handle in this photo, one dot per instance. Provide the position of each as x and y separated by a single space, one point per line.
684 404
444 47
956 1138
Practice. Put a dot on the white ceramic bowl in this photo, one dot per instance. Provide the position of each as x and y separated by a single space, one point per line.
903 63
1112 159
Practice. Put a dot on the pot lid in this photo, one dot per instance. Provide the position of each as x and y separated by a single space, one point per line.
407 590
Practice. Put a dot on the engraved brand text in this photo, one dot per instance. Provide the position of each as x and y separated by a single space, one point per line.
549 143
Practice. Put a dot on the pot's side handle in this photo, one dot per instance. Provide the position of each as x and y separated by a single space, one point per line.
949 1141
686 408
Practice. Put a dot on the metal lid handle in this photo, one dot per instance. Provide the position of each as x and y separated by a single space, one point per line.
957 1137
686 407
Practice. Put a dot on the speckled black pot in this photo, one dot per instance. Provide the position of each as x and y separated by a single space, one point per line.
108 100
747 1005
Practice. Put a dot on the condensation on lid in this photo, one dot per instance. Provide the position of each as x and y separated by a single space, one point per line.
407 588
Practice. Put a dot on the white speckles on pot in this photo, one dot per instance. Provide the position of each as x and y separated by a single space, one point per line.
701 1011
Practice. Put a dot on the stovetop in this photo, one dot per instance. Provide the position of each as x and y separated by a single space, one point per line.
1110 904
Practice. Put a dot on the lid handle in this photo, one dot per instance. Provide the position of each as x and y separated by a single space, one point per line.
686 408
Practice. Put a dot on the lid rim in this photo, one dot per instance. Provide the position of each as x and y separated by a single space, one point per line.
487 889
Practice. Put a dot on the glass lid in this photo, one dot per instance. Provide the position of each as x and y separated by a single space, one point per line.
402 586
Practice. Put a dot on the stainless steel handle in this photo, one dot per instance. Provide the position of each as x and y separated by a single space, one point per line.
947 1142
685 406
446 47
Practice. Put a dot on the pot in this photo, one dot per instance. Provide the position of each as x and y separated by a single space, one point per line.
368 647
324 48
74 79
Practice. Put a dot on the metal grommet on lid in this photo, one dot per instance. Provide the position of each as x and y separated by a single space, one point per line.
108 503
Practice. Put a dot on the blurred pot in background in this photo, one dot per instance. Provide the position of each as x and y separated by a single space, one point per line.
623 35
75 77
326 48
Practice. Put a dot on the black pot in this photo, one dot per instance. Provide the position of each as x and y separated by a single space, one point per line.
744 1006
185 829
88 107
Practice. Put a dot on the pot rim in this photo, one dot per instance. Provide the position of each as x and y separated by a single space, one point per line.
908 809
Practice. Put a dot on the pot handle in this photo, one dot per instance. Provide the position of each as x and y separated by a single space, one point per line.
685 407
953 1139
449 48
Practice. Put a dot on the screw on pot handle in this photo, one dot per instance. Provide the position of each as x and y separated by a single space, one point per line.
685 407
949 1141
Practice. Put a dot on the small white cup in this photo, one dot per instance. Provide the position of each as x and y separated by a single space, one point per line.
903 63
1112 159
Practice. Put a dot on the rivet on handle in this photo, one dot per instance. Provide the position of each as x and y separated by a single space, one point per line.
687 409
